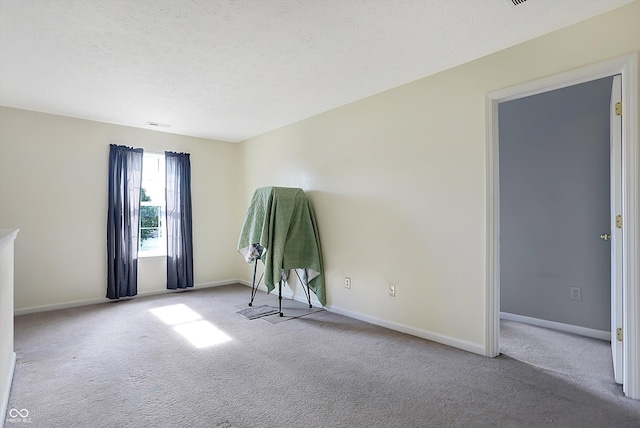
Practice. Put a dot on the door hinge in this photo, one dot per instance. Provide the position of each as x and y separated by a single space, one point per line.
619 334
619 108
619 221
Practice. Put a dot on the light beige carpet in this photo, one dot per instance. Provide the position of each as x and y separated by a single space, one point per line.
129 364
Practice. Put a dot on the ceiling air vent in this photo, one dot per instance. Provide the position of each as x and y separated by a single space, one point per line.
158 125
516 2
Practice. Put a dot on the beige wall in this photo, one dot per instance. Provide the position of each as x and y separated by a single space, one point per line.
53 187
397 181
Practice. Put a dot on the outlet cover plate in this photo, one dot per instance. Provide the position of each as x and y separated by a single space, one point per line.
392 290
575 293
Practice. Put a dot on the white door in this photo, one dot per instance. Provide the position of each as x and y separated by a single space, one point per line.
616 231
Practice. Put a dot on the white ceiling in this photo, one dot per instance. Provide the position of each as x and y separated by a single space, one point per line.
233 69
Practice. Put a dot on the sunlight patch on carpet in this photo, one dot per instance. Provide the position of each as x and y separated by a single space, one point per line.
176 314
201 333
188 323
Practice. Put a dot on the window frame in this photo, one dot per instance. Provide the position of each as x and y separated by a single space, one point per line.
157 179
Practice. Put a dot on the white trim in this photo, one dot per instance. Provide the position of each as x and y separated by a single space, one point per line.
147 255
492 300
7 388
78 303
151 152
403 328
616 251
8 235
154 181
574 329
569 78
631 228
627 66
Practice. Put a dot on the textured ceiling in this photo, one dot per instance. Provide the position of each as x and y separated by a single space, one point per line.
233 69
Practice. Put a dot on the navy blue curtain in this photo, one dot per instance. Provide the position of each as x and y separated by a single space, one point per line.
179 227
123 220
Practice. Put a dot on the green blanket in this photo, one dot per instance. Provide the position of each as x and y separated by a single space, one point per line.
282 220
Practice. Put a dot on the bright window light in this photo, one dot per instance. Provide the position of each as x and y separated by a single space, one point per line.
201 334
152 207
176 314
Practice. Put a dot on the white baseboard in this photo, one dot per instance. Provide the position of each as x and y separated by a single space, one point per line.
582 331
66 305
434 337
77 303
403 328
7 389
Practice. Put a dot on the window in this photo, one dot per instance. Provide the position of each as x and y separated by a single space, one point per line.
153 241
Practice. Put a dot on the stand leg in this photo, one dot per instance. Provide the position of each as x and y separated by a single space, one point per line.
254 286
280 298
305 288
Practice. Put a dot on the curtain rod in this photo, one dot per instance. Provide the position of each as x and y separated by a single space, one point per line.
165 152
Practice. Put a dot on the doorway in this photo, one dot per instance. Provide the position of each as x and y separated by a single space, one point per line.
627 68
555 194
555 197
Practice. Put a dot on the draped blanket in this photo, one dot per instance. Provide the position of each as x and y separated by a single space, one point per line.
281 220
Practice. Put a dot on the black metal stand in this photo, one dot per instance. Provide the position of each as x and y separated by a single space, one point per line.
306 289
280 298
254 286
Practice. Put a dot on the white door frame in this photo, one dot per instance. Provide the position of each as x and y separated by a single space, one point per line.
615 186
627 66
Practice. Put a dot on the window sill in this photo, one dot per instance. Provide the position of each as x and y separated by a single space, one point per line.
151 256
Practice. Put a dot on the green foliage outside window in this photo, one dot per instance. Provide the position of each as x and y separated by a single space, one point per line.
149 218
144 197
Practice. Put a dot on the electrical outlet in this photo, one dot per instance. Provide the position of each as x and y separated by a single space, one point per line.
347 282
575 293
392 290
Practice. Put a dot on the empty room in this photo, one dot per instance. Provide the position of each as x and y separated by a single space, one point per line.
320 213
